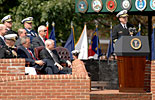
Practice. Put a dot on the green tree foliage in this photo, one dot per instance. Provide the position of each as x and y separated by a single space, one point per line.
62 12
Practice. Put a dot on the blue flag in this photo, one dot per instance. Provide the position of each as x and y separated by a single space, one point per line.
110 49
52 36
70 42
95 43
152 44
139 31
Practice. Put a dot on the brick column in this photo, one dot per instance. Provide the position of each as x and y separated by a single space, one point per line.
153 79
147 76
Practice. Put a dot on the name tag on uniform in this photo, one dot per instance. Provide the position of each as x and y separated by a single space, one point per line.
120 32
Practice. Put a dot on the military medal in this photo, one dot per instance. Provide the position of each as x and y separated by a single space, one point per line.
96 5
140 4
111 5
126 4
82 6
152 4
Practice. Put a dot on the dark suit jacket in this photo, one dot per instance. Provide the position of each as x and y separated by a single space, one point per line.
17 43
11 32
119 31
44 54
37 41
2 43
23 53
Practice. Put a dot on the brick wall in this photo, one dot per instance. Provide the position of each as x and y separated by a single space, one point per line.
14 85
12 67
45 87
121 96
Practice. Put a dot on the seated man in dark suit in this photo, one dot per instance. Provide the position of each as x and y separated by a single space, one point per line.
53 58
21 33
23 51
3 30
40 39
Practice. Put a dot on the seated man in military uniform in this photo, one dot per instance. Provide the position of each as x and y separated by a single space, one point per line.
8 50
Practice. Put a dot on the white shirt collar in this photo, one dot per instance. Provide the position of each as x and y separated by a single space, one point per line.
41 38
28 29
2 37
124 25
48 50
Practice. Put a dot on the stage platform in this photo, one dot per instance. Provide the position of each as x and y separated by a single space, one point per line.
116 95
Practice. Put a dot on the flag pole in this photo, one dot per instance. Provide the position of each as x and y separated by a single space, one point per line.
99 63
72 29
53 24
139 27
47 24
96 24
152 44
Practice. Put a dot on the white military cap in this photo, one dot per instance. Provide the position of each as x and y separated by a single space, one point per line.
10 37
75 52
122 13
7 19
28 20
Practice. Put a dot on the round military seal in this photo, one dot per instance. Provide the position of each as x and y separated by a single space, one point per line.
152 4
96 5
82 6
136 43
140 4
126 4
111 5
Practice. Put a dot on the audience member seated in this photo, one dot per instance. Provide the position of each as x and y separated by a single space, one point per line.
78 66
8 50
3 30
40 39
21 33
23 51
50 54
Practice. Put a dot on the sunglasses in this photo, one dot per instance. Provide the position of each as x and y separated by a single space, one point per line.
9 22
44 30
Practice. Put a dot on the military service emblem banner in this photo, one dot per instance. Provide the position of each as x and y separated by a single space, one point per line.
82 6
111 5
140 4
126 4
96 5
152 4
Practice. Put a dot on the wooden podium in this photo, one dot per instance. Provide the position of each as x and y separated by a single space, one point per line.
131 58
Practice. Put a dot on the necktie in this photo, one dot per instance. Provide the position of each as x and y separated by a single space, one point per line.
125 26
31 54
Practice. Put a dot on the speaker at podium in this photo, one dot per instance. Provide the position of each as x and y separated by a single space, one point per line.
131 54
